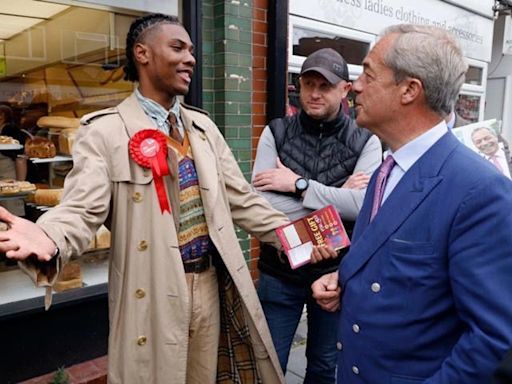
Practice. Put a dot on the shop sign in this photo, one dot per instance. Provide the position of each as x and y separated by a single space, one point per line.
168 7
372 16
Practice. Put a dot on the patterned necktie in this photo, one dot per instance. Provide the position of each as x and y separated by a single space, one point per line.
494 160
174 132
380 184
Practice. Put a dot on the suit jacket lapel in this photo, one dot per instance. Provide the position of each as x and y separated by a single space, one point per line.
412 189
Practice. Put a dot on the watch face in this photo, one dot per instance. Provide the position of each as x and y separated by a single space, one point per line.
301 184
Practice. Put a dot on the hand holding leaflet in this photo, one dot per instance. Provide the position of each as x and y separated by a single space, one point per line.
321 227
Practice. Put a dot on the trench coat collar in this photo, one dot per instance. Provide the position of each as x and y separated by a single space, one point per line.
205 158
421 179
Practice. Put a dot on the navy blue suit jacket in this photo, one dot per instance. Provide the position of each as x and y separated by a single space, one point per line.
427 286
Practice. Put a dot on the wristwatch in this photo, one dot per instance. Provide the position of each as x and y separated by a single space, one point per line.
301 184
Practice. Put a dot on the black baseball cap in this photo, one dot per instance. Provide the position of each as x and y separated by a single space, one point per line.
327 62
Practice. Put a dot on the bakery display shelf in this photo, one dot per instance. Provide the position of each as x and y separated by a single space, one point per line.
10 147
16 286
13 196
54 159
43 208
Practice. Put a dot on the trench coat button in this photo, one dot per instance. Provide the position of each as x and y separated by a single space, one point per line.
141 340
137 197
375 287
146 172
140 293
355 328
143 245
355 370
339 346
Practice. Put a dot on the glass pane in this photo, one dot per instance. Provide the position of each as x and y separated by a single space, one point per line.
468 107
67 64
306 41
474 75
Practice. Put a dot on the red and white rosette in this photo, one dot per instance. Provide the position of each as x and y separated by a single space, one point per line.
148 148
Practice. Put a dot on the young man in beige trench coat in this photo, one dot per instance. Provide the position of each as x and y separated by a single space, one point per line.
164 320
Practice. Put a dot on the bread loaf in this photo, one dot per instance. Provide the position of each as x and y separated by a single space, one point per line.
61 286
102 238
71 271
40 147
58 122
70 277
66 140
49 197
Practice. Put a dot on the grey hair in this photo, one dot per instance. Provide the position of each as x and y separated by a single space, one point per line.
490 130
431 55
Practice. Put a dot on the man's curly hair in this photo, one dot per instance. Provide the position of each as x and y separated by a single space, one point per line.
136 33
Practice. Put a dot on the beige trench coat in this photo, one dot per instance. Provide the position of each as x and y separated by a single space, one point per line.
145 254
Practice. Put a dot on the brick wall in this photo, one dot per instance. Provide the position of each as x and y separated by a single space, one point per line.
259 100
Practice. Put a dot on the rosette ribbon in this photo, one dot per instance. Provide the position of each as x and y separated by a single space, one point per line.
148 148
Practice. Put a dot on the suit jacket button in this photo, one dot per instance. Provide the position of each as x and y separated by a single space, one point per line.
339 346
143 245
356 328
375 287
141 340
140 293
137 197
355 370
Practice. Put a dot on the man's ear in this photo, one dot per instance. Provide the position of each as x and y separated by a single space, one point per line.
346 87
411 89
141 53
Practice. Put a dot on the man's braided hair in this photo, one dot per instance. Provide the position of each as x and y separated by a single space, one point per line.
136 33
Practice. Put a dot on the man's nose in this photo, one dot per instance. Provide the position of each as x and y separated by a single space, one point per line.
190 59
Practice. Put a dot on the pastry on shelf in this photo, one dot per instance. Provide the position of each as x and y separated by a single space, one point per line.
26 186
8 140
40 147
9 187
48 197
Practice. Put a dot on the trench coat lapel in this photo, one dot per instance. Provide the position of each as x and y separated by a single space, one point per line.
205 160
413 188
133 116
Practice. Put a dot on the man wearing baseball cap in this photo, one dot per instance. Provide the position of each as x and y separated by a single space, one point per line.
317 157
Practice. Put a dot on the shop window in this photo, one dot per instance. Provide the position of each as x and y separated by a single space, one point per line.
65 63
474 75
468 106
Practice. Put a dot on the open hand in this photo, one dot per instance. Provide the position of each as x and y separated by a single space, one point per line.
24 238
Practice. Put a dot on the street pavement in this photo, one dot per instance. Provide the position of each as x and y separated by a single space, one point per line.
297 361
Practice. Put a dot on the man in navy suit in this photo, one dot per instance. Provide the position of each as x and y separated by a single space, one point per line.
427 284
